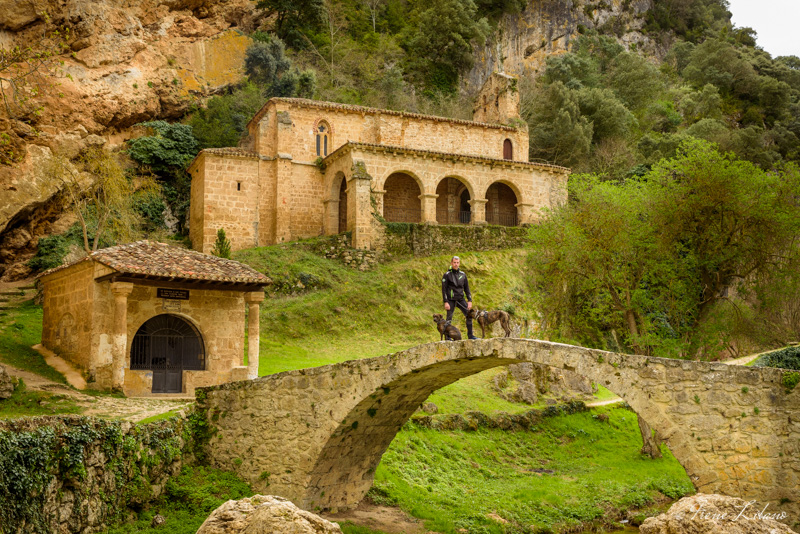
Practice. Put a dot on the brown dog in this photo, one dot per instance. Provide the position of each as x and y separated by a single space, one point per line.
446 330
485 318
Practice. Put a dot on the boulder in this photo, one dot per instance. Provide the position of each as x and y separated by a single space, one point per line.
6 385
265 514
717 514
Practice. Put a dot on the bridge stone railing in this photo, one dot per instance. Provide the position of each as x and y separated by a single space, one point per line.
316 435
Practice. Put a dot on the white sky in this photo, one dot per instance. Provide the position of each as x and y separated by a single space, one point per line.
775 21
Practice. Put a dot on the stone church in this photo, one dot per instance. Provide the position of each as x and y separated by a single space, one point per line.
315 168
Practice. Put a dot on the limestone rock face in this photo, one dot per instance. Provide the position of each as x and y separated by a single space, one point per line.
265 514
6 386
716 514
546 27
125 63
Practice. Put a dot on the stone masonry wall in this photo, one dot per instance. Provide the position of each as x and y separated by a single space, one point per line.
316 435
227 191
426 240
71 474
219 316
298 137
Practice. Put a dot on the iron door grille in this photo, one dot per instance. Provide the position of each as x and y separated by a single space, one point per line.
167 345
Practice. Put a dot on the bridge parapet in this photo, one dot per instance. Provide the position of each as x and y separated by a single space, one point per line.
316 435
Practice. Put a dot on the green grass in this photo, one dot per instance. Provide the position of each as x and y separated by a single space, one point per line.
188 500
24 403
604 394
352 314
20 329
350 528
159 417
453 480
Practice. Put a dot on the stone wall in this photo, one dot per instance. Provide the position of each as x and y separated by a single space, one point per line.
426 240
78 474
316 435
225 194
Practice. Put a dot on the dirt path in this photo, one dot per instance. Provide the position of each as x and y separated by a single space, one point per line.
377 517
104 406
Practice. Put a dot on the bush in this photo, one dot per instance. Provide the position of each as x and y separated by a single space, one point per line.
788 358
50 253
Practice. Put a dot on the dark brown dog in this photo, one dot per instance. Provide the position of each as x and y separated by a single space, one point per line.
446 330
485 318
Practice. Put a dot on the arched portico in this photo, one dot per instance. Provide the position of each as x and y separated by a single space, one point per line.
454 201
501 204
402 198
322 431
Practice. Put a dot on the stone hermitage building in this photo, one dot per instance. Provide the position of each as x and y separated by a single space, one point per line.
313 168
148 318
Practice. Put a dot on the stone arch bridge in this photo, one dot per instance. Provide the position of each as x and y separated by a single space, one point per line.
316 435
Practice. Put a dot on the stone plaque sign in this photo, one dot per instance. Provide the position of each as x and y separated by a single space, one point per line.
171 305
173 294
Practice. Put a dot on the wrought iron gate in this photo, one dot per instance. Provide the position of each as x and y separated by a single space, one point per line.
167 345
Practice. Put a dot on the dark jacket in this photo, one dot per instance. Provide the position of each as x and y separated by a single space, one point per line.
455 286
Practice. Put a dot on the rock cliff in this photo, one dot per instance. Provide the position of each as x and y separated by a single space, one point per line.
523 41
126 61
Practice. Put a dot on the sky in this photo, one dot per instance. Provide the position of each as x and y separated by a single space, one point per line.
775 21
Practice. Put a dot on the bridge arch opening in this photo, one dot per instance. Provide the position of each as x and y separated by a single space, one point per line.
453 202
345 468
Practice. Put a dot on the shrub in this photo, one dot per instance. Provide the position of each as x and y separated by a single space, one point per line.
50 253
222 247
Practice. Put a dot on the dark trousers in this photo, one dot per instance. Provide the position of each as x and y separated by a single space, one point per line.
461 305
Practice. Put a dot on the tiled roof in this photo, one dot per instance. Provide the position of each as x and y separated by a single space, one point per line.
403 150
230 151
150 258
362 109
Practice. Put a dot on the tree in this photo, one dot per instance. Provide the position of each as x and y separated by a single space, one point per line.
374 6
222 246
224 119
558 132
24 70
293 17
100 193
656 256
442 43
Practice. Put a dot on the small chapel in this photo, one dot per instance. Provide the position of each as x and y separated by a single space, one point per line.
311 168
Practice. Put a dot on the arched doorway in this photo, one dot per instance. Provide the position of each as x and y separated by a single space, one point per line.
343 206
501 205
401 202
167 345
452 203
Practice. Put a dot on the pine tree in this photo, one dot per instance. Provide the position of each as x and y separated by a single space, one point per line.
222 247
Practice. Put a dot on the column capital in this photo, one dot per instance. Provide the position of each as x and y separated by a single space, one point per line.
524 205
428 195
378 191
254 297
121 289
478 201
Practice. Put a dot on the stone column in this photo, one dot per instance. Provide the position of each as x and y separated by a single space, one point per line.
526 213
478 211
428 208
331 216
253 300
119 336
359 206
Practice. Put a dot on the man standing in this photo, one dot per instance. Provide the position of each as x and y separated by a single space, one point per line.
454 288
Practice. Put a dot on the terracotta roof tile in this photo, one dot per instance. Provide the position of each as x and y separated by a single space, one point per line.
151 258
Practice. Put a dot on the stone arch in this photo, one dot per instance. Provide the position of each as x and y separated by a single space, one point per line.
401 198
501 205
337 195
324 429
167 344
369 427
452 203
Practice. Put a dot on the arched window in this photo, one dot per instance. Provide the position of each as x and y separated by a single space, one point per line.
508 149
323 138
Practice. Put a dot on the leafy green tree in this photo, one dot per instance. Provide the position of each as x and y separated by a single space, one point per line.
558 132
719 63
265 62
293 17
654 257
222 246
609 117
168 147
224 119
635 80
442 45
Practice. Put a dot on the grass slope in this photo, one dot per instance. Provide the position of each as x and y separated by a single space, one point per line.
20 329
